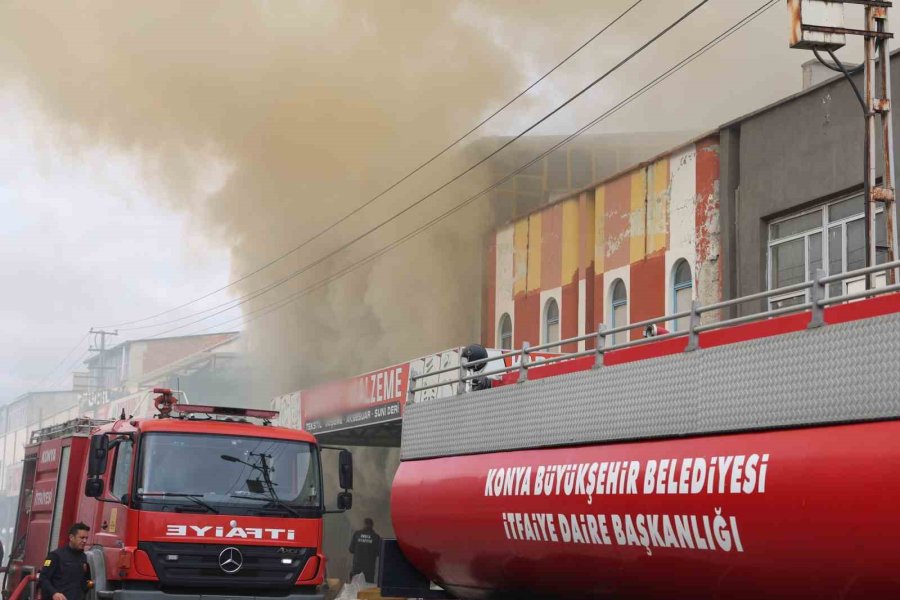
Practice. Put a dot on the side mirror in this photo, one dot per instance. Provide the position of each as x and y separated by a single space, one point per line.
345 470
345 501
98 455
93 488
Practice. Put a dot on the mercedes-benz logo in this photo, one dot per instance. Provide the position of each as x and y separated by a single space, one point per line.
231 560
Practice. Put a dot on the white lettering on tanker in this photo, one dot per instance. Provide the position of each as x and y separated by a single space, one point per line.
253 533
739 474
693 532
718 476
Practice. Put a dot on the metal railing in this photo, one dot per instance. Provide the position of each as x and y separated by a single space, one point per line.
816 303
79 426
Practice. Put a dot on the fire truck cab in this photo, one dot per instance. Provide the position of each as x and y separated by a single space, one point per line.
197 501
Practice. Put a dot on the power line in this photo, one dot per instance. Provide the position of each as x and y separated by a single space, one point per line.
60 363
320 260
70 368
647 87
388 189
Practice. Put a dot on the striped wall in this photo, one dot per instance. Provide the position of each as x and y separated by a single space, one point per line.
634 226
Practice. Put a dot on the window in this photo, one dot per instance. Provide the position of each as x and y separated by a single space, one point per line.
232 474
830 237
551 323
122 471
504 332
682 293
618 310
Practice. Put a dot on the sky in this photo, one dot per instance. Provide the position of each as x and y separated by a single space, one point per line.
152 152
82 243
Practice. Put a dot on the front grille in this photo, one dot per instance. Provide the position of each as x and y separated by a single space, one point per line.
198 565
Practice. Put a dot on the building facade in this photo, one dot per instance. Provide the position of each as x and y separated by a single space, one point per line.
638 245
792 195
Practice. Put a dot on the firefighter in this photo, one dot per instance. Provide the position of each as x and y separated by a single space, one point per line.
365 546
66 574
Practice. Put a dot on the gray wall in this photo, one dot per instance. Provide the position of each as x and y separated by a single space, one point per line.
800 152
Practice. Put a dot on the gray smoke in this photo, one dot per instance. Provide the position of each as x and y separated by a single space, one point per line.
267 121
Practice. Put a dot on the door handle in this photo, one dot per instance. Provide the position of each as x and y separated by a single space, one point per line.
104 525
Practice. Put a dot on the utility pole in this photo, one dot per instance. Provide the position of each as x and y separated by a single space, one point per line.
817 25
102 356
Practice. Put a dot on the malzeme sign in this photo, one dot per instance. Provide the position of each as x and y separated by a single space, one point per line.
362 400
375 397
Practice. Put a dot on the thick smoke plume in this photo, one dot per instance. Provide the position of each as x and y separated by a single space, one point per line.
294 113
266 121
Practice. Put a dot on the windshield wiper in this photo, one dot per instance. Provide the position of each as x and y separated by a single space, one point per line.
195 498
276 501
266 470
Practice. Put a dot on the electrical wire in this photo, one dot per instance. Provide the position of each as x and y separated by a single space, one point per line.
388 189
647 87
256 293
68 370
60 363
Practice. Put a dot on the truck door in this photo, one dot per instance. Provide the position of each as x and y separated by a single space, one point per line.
113 516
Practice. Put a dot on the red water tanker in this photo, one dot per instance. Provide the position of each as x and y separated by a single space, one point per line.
765 464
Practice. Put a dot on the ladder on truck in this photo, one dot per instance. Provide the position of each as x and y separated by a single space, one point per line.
80 427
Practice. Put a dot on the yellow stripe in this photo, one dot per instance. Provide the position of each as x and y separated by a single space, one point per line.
570 241
638 197
599 229
520 261
658 217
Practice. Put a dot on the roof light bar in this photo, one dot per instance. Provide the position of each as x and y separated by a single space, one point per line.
227 410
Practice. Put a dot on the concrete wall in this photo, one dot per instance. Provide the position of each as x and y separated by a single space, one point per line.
798 153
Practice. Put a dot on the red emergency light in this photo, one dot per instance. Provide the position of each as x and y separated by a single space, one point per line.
267 415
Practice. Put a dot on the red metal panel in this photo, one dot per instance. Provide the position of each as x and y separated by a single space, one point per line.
599 314
781 514
569 325
528 319
551 247
489 293
618 223
586 259
648 291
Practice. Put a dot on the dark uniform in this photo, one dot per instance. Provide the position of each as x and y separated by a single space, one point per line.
365 548
66 572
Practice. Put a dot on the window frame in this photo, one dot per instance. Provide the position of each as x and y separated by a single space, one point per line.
614 304
823 229
676 287
114 471
551 302
505 318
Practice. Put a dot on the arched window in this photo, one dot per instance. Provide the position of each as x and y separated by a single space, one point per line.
618 309
682 292
551 323
504 332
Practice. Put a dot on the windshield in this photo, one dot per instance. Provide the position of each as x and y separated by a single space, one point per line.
230 475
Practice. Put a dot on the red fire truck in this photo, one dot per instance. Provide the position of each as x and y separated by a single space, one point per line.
743 458
196 501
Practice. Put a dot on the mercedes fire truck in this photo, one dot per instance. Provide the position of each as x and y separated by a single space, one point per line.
197 501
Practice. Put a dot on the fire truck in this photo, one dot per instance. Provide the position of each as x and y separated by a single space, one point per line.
194 501
738 457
